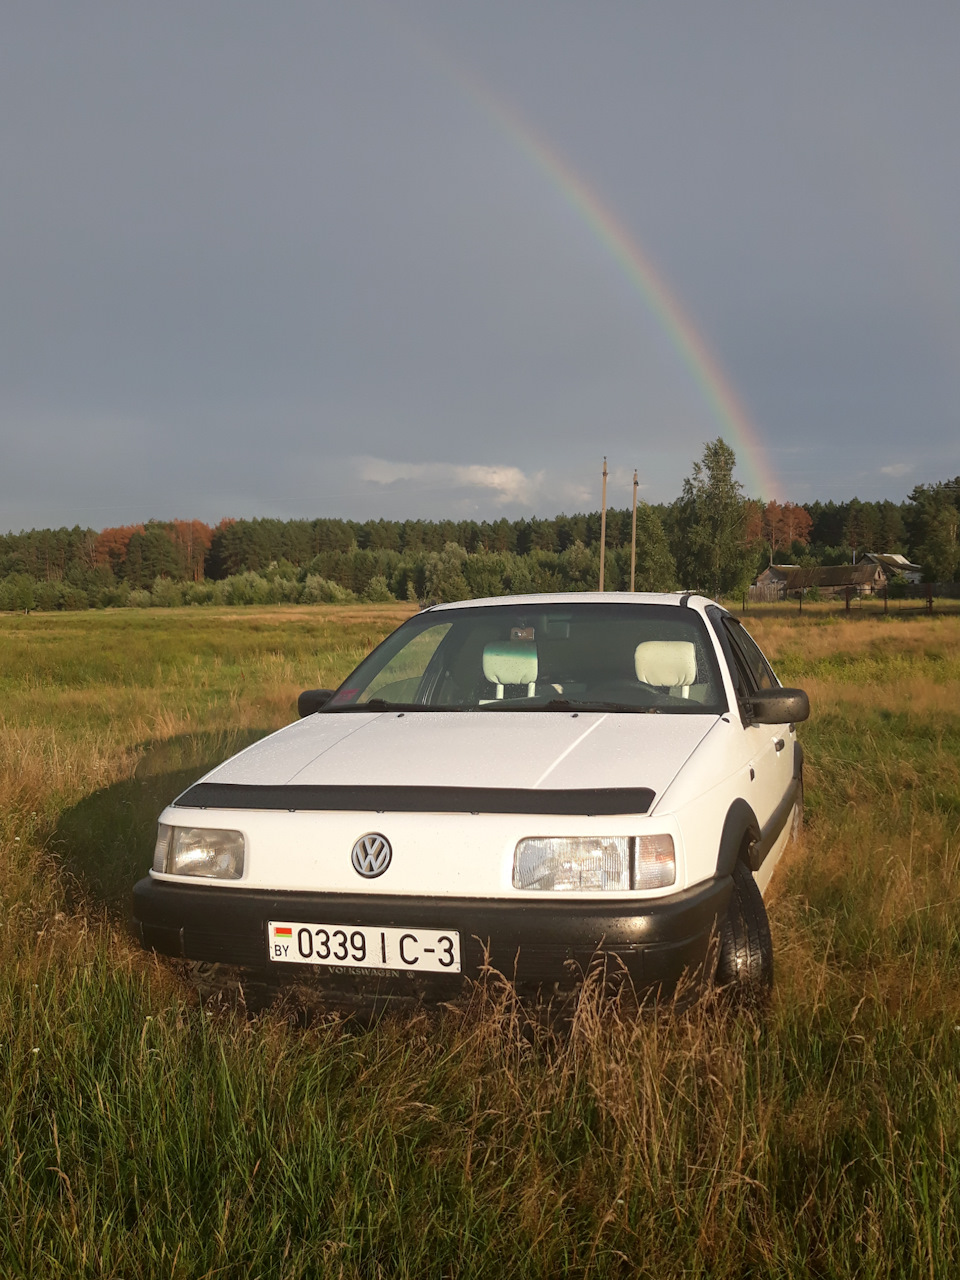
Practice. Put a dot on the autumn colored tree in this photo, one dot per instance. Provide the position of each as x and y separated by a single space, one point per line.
753 524
193 539
796 524
111 546
783 525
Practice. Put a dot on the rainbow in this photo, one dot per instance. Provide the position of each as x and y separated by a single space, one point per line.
693 350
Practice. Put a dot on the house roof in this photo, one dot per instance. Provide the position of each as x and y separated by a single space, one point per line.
892 560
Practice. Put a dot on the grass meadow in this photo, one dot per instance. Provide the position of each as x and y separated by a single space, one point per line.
144 1136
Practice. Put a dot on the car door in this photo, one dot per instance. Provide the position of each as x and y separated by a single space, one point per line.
771 746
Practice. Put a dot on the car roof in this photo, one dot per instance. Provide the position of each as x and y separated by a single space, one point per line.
572 599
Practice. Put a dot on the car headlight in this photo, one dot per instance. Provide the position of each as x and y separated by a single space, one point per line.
199 851
617 863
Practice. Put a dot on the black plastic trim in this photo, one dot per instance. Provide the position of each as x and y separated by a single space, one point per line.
653 941
311 700
766 706
588 802
768 836
740 822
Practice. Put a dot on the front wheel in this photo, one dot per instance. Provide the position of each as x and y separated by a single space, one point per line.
745 960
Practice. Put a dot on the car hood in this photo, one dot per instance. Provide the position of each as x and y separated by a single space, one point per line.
498 749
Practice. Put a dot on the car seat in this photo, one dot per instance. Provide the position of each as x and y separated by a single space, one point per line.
667 664
511 663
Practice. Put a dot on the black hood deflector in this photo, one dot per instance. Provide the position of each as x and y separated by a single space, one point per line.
586 803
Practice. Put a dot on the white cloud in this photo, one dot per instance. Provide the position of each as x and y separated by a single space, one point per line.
897 469
509 485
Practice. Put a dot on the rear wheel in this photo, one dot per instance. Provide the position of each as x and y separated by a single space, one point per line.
745 960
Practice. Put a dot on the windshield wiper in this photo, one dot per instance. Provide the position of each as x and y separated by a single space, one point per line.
380 704
505 704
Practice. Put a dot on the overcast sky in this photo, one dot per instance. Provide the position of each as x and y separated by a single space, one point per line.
299 259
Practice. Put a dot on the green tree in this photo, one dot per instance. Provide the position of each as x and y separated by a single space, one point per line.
16 593
935 526
152 554
656 569
378 592
580 567
713 550
891 528
485 572
861 531
444 579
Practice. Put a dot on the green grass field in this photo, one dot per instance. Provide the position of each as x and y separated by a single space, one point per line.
143 1136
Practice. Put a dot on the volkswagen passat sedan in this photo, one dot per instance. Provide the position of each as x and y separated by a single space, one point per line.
530 784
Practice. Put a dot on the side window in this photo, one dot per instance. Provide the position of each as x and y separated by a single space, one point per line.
742 678
757 669
399 680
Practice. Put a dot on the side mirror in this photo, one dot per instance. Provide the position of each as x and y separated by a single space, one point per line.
312 700
777 706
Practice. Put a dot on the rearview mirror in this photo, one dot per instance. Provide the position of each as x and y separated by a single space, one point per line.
312 700
777 706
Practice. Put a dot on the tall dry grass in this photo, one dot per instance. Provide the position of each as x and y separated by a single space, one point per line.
144 1135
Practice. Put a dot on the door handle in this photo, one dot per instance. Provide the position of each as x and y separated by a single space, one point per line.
779 744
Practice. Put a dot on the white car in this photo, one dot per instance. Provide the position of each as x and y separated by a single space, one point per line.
535 784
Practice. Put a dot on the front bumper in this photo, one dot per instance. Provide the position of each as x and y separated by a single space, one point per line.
543 946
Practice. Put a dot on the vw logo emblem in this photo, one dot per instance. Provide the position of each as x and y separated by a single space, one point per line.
371 855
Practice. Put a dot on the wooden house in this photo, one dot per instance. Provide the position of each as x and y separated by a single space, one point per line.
781 580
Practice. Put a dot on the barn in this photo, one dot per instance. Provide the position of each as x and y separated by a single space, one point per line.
782 580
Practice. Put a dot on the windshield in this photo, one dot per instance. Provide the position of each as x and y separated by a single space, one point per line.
605 657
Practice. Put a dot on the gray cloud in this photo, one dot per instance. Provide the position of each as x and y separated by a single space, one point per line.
243 249
471 487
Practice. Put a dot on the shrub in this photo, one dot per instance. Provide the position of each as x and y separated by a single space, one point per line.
16 593
166 594
114 597
203 593
47 595
377 591
73 598
247 588
317 590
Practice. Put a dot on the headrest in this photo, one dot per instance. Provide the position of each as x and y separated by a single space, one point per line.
666 663
505 663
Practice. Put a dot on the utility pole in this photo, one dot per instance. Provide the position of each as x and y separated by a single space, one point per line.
633 536
603 521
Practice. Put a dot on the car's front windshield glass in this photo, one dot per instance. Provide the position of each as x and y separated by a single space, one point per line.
529 657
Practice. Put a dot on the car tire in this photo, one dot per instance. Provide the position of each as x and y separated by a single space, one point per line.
745 958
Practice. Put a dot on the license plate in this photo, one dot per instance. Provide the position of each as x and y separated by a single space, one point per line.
341 946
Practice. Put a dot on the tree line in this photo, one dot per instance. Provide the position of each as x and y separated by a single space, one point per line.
712 538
